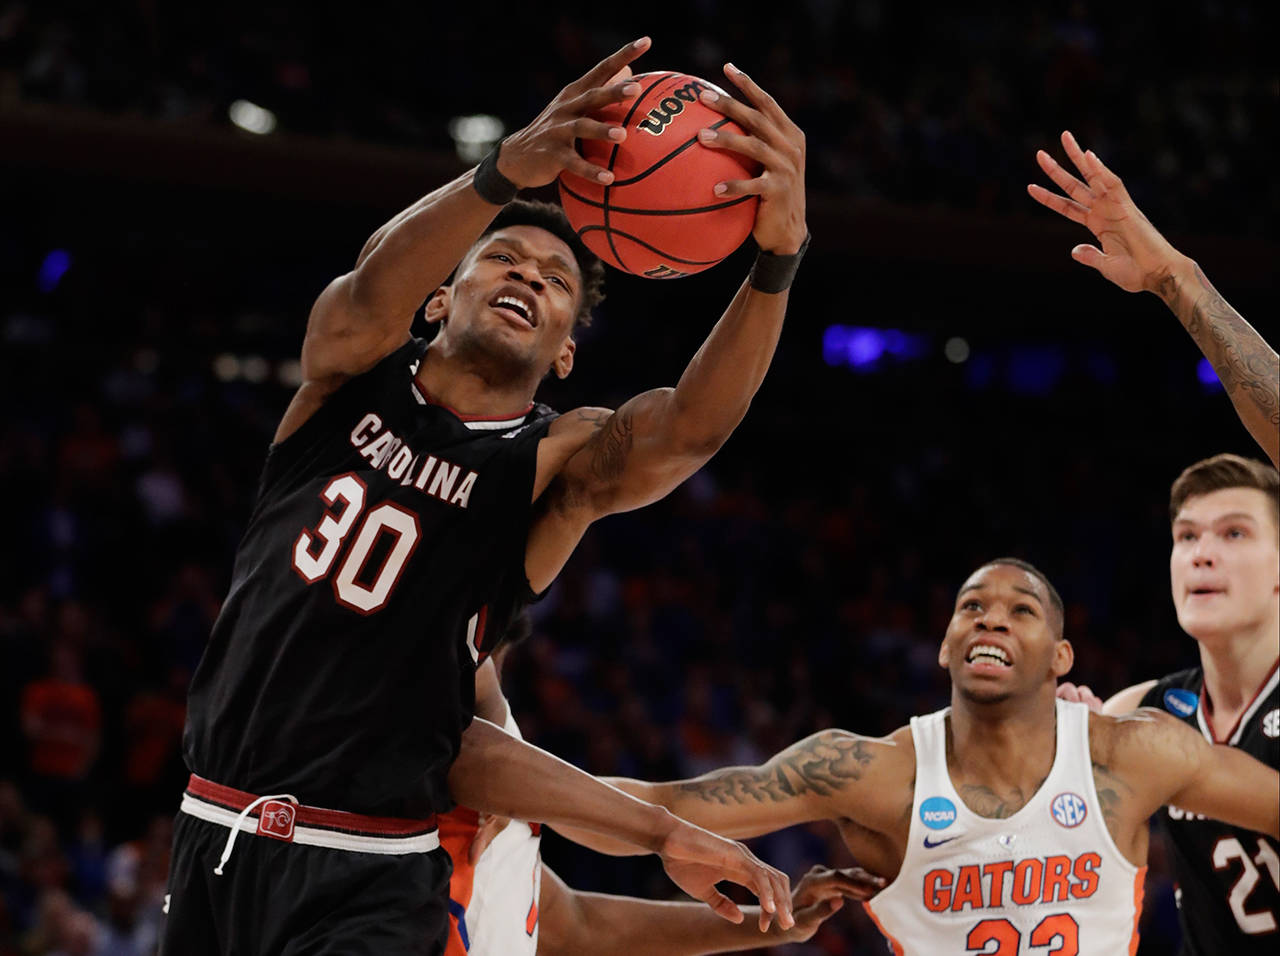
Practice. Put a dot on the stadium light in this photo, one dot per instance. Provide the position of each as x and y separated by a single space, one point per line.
956 350
52 269
1207 376
226 367
473 136
252 118
862 348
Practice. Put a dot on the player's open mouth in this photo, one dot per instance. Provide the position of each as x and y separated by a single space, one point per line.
516 307
988 654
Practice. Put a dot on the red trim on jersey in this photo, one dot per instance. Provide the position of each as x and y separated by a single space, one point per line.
1208 710
513 419
531 917
482 618
893 943
1139 889
354 823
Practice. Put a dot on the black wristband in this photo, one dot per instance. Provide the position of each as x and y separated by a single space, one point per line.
772 273
492 185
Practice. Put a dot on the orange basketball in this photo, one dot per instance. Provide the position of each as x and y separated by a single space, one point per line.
659 218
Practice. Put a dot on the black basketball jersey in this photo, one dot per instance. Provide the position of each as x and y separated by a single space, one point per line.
384 554
1228 878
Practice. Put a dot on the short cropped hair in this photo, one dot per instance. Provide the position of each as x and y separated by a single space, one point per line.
1055 599
548 216
1226 471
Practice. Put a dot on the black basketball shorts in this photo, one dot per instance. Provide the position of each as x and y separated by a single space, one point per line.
291 886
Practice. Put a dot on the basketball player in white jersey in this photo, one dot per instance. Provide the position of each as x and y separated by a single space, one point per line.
1008 821
503 901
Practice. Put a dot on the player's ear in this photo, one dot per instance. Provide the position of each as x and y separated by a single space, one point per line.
1064 656
437 307
563 364
944 655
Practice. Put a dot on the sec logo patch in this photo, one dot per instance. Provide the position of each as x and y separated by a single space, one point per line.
1069 810
1271 724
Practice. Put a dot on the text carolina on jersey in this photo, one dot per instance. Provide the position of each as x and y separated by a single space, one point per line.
435 476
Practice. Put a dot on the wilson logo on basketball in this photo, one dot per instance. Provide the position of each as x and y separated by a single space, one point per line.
669 107
663 272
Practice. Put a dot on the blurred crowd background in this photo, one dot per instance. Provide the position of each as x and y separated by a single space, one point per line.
950 386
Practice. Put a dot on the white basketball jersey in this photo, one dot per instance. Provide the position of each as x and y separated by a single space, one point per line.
1048 879
503 914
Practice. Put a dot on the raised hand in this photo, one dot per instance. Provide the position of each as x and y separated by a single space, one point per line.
536 155
696 860
1133 255
778 145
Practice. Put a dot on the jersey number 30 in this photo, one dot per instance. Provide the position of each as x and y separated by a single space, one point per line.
362 589
1060 929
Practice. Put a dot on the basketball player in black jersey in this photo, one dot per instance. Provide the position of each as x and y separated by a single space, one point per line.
415 495
1225 576
1224 568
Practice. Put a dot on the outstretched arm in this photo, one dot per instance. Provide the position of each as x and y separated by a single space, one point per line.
830 775
572 922
1135 257
364 315
1169 763
656 440
501 774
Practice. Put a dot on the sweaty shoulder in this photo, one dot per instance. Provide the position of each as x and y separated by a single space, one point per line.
1112 735
1149 750
563 440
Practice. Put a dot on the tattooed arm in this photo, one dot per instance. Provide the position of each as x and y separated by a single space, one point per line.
1155 760
1247 367
1136 257
831 775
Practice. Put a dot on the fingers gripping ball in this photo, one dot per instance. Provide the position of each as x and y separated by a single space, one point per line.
660 217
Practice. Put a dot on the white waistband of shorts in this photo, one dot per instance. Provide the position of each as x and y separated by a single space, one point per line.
315 836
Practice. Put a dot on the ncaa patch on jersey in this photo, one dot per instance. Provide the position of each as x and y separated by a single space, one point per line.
1271 724
937 813
1181 703
1069 810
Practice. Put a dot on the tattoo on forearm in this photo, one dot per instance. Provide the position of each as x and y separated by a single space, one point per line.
985 802
612 445
1248 368
820 766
